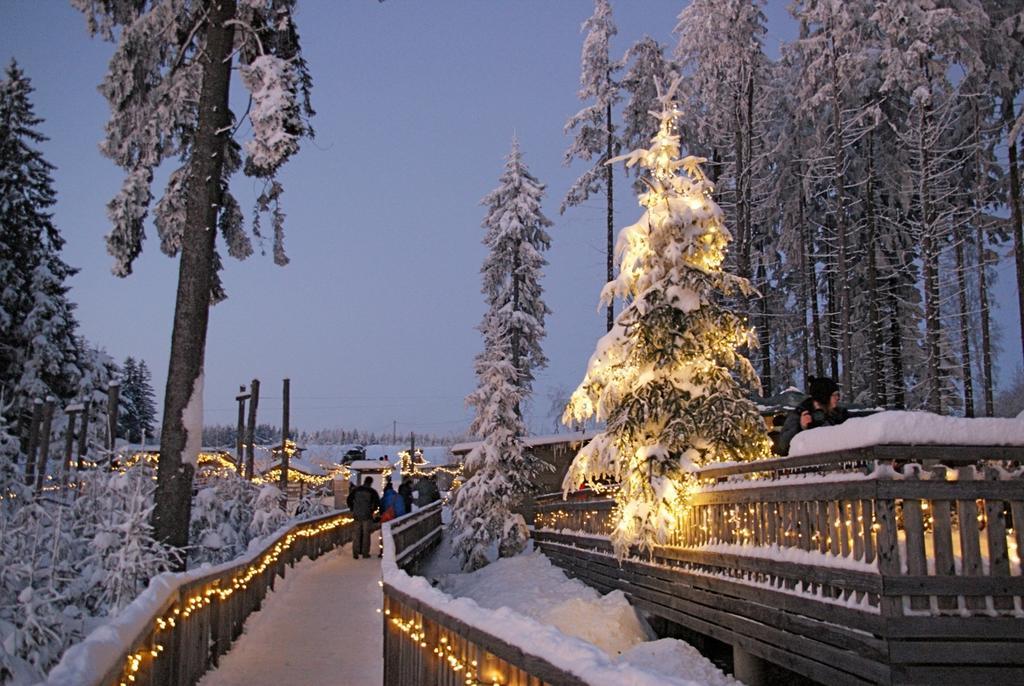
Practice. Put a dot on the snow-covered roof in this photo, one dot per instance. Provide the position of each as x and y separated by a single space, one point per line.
533 441
301 465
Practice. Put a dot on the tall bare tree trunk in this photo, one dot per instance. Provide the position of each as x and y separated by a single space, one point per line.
899 396
806 285
877 342
987 390
611 209
843 287
192 307
965 328
1015 211
930 262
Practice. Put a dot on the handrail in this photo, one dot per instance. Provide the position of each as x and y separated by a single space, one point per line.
951 454
181 624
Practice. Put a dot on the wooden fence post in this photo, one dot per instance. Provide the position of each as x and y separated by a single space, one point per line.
44 441
285 405
69 438
240 433
113 398
33 441
250 434
83 432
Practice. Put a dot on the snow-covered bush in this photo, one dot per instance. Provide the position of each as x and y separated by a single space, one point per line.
221 515
268 516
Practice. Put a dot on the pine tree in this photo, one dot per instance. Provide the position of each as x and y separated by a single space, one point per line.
39 350
513 326
516 238
648 67
595 134
667 379
138 408
168 86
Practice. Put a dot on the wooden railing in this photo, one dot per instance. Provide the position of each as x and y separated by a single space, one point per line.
183 623
890 564
425 645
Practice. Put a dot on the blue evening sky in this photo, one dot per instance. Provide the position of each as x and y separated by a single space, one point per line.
374 318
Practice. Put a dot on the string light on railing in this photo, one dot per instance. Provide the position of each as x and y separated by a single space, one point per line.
205 598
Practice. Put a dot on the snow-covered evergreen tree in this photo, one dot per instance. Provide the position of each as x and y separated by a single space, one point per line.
516 237
267 516
168 86
138 408
596 138
501 469
221 518
667 379
647 67
513 326
39 353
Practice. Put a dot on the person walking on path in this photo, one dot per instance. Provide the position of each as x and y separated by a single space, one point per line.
405 490
363 503
821 408
426 491
391 503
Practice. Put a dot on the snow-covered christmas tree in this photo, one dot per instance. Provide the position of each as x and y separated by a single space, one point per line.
668 379
502 470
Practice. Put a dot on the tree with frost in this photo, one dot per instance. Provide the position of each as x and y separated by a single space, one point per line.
39 353
168 86
513 327
667 379
221 515
138 413
267 516
516 238
647 67
501 469
596 138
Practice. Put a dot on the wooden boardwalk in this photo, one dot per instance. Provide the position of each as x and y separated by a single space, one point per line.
320 626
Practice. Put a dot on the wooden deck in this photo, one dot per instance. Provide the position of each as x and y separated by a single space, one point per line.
890 565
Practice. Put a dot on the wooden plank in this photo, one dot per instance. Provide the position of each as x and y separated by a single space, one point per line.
797 604
950 454
771 493
955 585
957 652
834 576
951 490
956 628
800 664
741 625
827 632
959 674
913 529
888 553
998 556
942 540
970 543
867 530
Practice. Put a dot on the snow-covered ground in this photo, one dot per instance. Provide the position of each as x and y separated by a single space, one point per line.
320 626
601 638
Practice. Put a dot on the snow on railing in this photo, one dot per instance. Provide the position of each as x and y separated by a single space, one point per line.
432 637
183 622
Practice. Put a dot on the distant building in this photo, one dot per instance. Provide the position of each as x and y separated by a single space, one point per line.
558 450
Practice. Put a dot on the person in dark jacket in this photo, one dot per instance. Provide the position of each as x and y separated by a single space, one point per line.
426 491
363 503
405 490
821 408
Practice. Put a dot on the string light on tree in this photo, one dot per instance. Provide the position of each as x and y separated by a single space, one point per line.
668 379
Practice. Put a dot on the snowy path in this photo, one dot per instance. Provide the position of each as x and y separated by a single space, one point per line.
320 626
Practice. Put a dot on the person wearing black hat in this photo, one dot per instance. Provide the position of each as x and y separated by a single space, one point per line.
821 408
